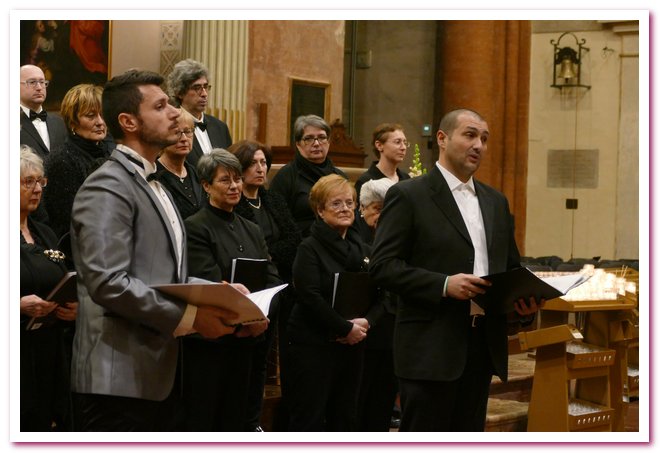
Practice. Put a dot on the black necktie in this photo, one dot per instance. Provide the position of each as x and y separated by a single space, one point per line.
41 115
201 125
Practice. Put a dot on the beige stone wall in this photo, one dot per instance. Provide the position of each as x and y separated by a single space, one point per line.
280 50
398 87
596 227
125 53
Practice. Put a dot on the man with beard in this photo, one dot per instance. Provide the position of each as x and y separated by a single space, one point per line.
126 236
189 87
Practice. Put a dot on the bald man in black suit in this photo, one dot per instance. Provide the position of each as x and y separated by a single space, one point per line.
436 234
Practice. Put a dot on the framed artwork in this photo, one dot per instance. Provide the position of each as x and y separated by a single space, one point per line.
308 98
69 52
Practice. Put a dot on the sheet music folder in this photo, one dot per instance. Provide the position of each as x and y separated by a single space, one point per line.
351 294
509 286
250 308
66 290
250 272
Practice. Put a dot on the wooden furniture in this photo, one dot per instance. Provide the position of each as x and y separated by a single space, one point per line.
571 389
607 324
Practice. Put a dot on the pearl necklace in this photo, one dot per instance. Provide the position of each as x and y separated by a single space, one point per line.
257 206
181 178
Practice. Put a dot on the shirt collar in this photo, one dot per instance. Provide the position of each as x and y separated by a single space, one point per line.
26 110
453 182
147 167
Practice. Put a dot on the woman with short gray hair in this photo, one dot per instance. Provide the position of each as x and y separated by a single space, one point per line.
310 162
216 373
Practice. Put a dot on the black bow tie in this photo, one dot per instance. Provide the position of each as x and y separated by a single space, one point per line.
150 176
41 115
201 125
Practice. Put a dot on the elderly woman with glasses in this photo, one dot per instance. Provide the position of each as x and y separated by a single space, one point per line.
44 362
179 176
311 162
326 348
216 373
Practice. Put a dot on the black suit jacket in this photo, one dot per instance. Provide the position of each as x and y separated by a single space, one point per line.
421 239
218 134
56 133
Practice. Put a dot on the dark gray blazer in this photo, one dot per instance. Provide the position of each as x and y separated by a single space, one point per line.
56 133
420 240
218 134
122 243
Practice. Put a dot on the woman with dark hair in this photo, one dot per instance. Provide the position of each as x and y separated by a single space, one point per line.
311 162
217 374
268 210
45 394
84 150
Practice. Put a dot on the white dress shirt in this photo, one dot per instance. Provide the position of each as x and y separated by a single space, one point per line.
39 125
468 203
203 137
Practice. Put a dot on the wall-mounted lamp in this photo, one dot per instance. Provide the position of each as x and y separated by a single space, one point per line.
567 63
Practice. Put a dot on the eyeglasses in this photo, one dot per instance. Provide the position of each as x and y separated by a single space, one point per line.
30 183
322 139
399 142
33 83
226 181
198 87
338 205
187 132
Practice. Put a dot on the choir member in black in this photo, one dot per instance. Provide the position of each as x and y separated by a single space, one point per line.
378 386
85 149
216 374
45 395
176 174
294 180
390 147
268 210
326 349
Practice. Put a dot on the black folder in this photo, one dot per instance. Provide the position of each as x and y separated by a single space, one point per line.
351 296
250 272
66 290
518 283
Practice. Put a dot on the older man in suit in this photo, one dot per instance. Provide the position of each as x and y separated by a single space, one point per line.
40 131
189 87
436 235
126 236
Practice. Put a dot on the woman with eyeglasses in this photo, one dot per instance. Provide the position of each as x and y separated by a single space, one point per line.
84 150
390 147
216 373
179 176
326 350
44 362
311 162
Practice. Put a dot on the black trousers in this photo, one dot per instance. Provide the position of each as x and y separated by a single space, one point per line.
378 389
215 383
450 406
117 413
324 381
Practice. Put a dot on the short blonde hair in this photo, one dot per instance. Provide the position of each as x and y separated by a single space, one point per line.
320 192
78 101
